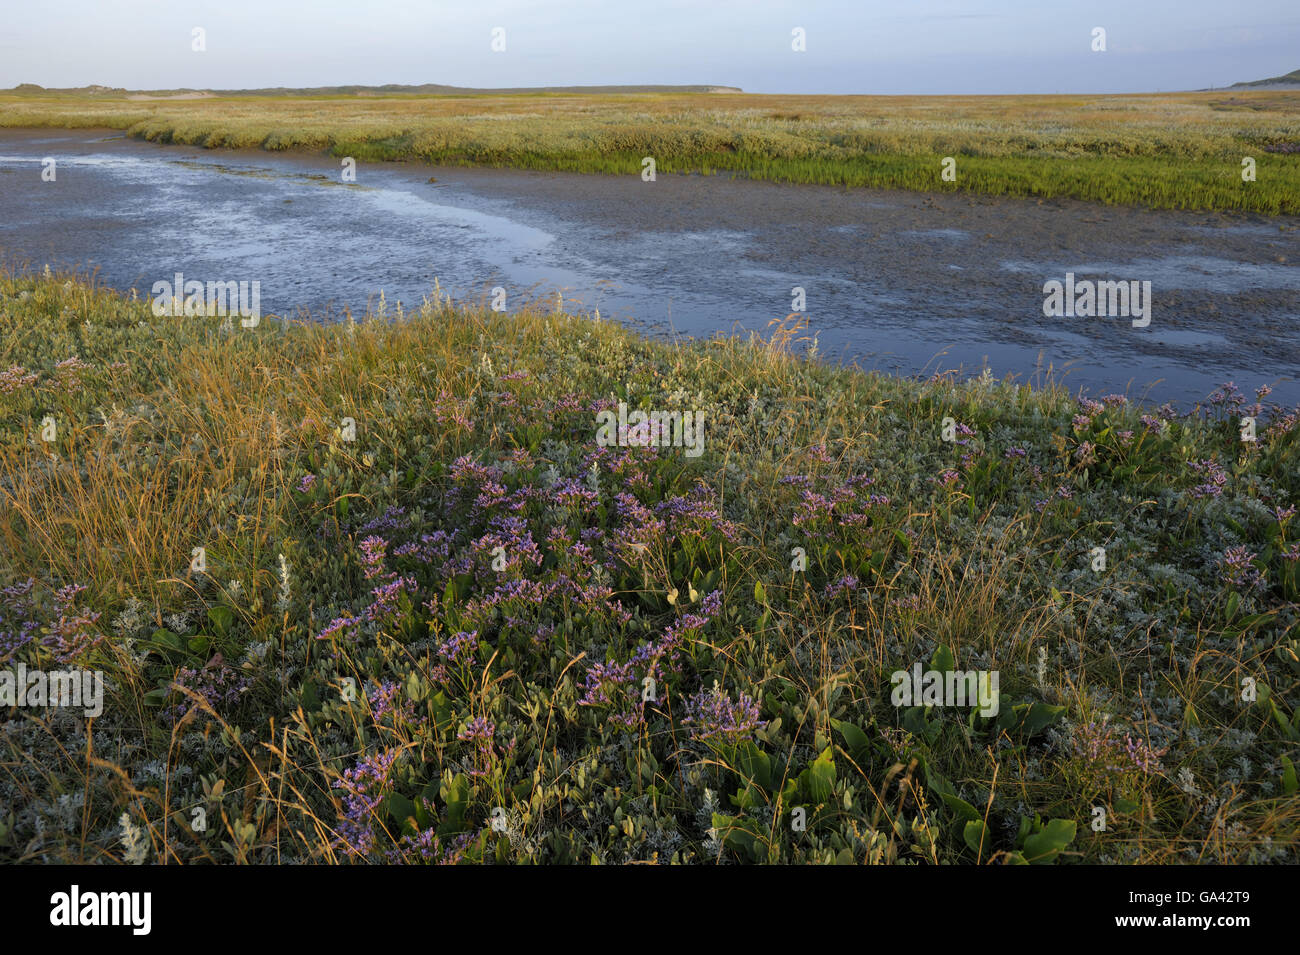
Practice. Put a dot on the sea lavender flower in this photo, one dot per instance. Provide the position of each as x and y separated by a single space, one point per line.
676 633
372 556
1142 754
18 623
387 598
1215 479
363 788
1099 744
427 848
847 584
696 514
391 520
1238 570
460 647
220 685
16 377
1228 395
75 631
713 716
479 732
948 478
614 685
338 625
385 700
448 409
308 481
812 507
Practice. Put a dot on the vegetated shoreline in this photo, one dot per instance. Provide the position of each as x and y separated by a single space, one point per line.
428 600
1176 151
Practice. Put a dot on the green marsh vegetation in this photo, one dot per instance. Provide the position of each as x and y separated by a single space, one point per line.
431 601
1178 150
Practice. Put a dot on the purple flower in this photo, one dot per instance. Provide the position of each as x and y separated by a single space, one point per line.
1216 478
220 685
1237 569
363 788
712 715
372 556
479 732
948 478
426 847
460 648
846 584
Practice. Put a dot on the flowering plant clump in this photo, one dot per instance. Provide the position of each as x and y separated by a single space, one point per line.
712 715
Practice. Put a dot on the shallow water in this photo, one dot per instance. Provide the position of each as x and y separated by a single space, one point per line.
901 281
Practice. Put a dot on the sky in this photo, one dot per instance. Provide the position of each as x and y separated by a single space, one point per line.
851 46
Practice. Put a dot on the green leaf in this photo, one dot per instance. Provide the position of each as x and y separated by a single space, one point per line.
819 778
222 617
737 833
753 764
199 643
455 793
943 660
1029 718
167 639
859 746
402 811
976 835
936 780
1289 784
917 722
1040 716
1043 847
748 798
964 810
760 593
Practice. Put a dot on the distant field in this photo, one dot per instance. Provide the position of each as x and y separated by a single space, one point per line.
1179 150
